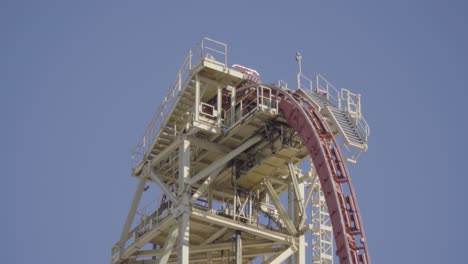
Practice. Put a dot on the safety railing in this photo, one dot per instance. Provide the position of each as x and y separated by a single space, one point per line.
320 85
353 106
342 99
263 101
304 82
352 102
325 87
145 224
206 50
282 84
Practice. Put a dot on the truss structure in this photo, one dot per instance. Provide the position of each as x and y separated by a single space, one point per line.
322 230
224 150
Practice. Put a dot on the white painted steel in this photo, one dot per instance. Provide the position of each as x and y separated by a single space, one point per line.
191 227
322 232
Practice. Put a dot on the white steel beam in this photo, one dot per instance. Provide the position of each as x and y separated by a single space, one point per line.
279 206
311 191
168 245
222 161
208 145
206 248
279 258
197 97
132 211
229 223
219 103
213 237
238 247
184 194
146 237
216 256
169 194
300 199
206 183
299 220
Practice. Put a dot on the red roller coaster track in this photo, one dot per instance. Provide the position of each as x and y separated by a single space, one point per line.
334 177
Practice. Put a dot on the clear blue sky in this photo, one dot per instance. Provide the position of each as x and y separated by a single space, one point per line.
80 80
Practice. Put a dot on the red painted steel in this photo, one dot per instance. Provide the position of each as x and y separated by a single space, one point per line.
316 135
334 177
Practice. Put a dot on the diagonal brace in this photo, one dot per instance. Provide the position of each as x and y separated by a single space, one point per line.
206 183
279 206
170 195
277 259
168 245
222 161
295 182
132 211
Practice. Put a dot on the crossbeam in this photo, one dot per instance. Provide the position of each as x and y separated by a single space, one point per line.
252 253
208 145
229 223
206 248
222 161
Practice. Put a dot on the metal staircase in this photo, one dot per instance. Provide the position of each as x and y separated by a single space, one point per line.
342 110
319 99
177 120
347 127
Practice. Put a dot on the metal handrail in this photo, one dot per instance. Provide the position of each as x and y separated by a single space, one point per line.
352 101
282 84
363 127
310 82
260 102
353 106
141 150
333 95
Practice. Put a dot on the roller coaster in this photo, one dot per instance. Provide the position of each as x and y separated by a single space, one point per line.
248 172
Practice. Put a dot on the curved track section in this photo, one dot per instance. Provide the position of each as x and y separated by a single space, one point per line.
334 177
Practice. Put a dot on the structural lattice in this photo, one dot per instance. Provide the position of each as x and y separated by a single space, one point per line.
228 153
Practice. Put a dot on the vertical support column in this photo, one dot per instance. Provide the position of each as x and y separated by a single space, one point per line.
233 104
290 210
250 207
300 256
238 247
210 198
184 198
197 97
219 104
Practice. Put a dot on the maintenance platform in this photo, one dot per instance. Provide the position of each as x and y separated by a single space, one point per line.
225 151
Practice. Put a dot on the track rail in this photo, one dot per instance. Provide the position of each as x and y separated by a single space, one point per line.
316 135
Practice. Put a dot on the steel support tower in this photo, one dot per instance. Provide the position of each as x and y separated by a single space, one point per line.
322 230
227 152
